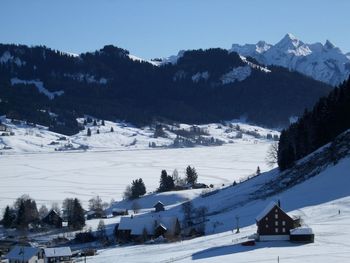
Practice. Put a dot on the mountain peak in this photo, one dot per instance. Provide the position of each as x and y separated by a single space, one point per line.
289 41
329 45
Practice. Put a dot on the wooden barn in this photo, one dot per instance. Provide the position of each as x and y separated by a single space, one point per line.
142 228
57 254
159 206
52 219
275 224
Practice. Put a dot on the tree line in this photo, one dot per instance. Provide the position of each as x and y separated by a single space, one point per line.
328 118
166 183
24 214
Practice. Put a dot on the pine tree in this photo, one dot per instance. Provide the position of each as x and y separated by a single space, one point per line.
112 130
166 182
138 188
98 131
8 218
258 172
191 175
21 221
78 215
88 132
103 122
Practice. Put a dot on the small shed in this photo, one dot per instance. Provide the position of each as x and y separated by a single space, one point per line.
57 254
302 234
159 206
53 219
119 212
95 214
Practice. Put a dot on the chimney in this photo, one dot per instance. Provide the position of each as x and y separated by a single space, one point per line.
279 203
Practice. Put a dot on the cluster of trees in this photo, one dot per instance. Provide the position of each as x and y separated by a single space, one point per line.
73 213
328 118
98 206
24 214
135 190
166 183
174 181
166 92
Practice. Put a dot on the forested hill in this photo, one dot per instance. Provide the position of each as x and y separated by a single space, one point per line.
53 88
329 117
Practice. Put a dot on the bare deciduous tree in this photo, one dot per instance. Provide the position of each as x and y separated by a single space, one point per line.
271 157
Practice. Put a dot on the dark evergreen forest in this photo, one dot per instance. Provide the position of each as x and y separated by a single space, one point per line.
107 84
328 118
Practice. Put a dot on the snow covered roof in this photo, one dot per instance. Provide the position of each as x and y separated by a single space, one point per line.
301 231
57 252
22 253
267 209
138 224
159 202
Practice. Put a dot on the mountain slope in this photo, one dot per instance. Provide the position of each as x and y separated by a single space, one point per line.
52 88
322 201
323 62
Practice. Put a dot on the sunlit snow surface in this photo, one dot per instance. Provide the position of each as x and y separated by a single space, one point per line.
32 166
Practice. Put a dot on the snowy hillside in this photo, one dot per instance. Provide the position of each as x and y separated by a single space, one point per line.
324 62
322 202
27 138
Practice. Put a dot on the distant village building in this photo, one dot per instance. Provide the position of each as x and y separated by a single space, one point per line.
53 219
57 254
275 224
119 212
95 214
143 228
159 206
21 254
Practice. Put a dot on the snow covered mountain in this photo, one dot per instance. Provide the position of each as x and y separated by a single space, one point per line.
323 62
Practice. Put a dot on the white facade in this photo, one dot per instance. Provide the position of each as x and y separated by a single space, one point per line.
273 237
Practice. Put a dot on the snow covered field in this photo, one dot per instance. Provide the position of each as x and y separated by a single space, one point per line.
318 201
51 177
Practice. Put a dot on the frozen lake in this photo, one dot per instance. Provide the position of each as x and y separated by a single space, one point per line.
52 177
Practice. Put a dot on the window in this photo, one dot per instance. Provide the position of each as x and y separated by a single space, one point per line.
276 216
276 210
276 223
283 230
266 218
267 226
283 223
276 230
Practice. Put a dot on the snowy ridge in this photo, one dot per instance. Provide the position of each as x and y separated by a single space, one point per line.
324 62
34 139
135 58
39 85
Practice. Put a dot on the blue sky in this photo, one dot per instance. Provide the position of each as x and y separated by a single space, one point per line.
159 28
